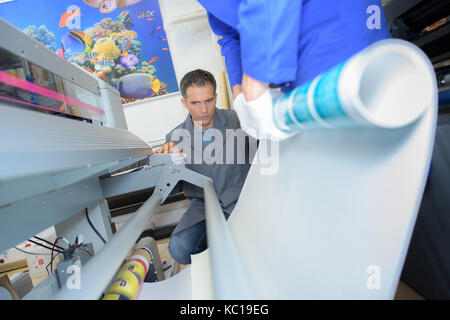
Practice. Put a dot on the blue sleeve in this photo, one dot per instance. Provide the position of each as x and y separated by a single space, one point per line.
270 51
231 50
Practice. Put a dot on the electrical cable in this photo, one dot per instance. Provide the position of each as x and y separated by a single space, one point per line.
53 257
51 263
78 248
40 244
48 242
92 226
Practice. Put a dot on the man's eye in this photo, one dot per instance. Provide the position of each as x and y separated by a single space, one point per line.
209 100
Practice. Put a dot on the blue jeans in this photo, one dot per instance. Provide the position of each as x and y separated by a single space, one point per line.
191 240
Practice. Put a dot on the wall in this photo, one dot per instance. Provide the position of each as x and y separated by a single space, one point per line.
152 119
192 45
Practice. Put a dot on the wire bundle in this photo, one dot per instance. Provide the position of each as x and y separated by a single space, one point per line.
67 252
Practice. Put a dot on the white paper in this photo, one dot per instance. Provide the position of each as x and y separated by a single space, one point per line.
177 287
202 286
335 217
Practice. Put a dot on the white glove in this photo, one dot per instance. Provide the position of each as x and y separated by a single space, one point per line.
256 117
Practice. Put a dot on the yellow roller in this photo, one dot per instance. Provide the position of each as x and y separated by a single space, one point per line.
137 268
115 296
126 284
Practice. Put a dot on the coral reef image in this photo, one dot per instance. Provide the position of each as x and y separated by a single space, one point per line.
42 35
122 42
113 53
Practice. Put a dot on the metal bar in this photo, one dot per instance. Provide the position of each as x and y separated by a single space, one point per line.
193 177
23 219
229 277
130 182
64 179
164 173
33 149
21 188
100 270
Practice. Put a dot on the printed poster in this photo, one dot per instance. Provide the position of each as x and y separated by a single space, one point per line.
122 42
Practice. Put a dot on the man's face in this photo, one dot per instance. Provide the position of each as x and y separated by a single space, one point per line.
201 104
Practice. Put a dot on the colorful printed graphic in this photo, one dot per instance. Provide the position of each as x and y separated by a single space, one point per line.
120 41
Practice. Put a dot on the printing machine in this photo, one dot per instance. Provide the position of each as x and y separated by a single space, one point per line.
64 145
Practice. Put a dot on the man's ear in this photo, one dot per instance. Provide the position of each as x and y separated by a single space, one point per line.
183 101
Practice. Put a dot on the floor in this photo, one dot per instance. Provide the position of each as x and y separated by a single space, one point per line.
406 293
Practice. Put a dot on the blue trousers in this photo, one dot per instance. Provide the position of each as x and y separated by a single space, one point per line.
191 240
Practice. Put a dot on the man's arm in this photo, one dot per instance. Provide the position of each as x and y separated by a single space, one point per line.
269 34
230 45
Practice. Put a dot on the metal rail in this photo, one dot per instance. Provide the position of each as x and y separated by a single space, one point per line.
229 277
99 271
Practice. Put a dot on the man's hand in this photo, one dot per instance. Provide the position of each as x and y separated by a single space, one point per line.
237 89
169 148
253 89
257 119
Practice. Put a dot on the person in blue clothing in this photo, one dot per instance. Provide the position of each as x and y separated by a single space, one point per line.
289 42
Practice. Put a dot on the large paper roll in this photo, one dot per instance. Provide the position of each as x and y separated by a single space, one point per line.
389 84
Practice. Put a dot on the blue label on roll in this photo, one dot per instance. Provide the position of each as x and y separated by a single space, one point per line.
326 97
294 105
292 110
280 109
300 104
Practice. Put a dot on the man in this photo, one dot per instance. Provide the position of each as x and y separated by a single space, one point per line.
204 126
289 43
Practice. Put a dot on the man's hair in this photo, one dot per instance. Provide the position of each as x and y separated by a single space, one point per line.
196 78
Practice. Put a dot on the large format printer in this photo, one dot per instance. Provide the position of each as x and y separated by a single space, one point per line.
64 144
